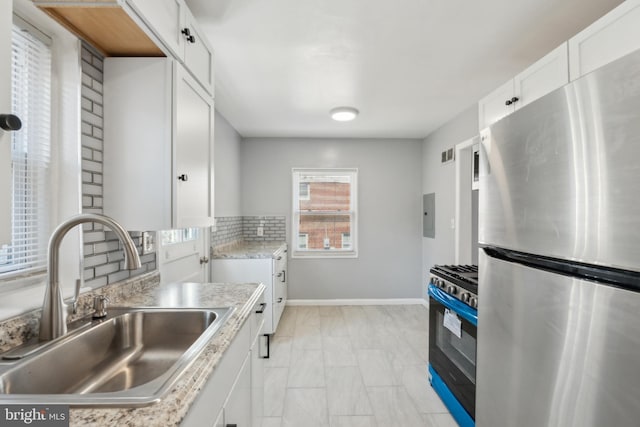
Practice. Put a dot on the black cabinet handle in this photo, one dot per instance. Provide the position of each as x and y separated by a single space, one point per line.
10 122
279 299
184 177
284 276
186 32
267 336
232 425
263 305
191 39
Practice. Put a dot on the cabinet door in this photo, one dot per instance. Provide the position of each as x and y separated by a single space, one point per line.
546 75
257 383
219 422
237 410
493 107
165 18
6 23
193 153
609 38
198 55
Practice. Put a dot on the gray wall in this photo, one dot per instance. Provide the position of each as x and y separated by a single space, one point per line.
389 202
228 177
441 179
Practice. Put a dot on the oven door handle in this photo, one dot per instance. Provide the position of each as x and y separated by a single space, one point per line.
462 309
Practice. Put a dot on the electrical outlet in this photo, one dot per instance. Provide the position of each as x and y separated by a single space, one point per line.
260 231
147 242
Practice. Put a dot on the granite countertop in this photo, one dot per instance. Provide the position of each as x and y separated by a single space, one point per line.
146 291
173 407
249 250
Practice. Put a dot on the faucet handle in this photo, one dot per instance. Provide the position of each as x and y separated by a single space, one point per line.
100 306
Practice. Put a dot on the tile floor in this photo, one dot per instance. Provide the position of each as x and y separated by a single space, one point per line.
351 366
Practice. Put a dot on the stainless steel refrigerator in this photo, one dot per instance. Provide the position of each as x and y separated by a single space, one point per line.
559 282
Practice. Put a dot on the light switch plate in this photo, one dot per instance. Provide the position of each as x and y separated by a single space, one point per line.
260 231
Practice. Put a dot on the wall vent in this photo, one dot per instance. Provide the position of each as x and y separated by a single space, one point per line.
447 156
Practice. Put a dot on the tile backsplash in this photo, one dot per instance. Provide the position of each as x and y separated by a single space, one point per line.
237 229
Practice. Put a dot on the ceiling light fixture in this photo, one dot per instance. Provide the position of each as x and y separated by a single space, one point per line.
343 114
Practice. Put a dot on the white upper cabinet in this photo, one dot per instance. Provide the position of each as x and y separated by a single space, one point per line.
544 76
6 24
614 35
158 157
496 105
198 54
173 24
165 17
139 28
194 113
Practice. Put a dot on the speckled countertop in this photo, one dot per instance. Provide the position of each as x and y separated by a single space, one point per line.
249 250
173 407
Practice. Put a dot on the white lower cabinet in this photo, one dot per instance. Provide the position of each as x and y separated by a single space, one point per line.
237 409
272 272
233 395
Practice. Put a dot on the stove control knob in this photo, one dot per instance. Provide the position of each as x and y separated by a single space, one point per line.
473 302
464 297
433 280
452 290
442 284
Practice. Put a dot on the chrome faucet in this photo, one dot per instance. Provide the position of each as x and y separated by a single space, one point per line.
53 323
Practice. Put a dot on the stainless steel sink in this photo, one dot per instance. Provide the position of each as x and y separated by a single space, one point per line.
131 358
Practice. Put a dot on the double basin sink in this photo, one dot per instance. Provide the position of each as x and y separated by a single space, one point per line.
133 357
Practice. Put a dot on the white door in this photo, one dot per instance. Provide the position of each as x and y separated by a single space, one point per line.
183 255
6 23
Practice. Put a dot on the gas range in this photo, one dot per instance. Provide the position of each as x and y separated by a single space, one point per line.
459 281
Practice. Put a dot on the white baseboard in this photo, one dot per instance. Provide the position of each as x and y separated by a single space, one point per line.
386 301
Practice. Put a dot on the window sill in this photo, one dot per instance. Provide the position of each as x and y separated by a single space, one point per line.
323 254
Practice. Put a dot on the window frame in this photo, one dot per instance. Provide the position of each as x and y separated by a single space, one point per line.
22 289
296 252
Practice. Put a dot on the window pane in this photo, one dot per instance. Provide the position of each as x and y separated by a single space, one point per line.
324 231
30 152
325 193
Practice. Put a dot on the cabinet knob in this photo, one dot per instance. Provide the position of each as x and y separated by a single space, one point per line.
10 122
204 260
191 39
186 32
184 177
279 299
512 100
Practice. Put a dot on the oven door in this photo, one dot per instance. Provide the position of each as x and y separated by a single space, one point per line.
452 345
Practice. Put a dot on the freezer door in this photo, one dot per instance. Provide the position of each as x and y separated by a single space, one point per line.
554 350
559 177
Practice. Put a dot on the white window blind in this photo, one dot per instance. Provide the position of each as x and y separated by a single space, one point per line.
31 149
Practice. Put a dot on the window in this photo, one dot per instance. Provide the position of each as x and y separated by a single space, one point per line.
304 191
324 212
169 237
346 241
303 241
30 150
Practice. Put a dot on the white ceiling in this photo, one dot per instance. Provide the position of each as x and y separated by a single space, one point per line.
408 65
